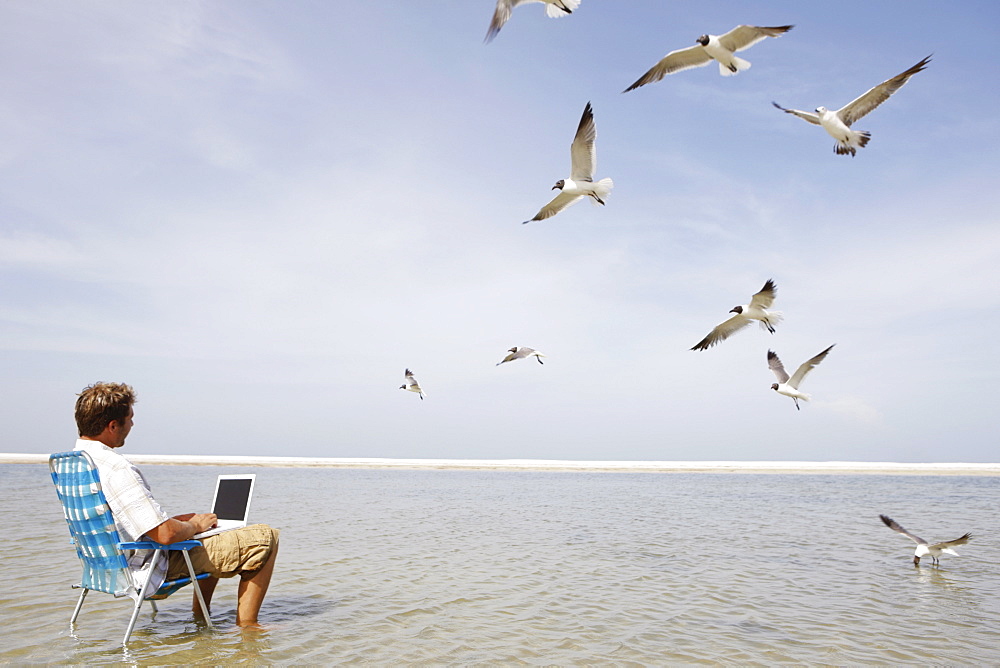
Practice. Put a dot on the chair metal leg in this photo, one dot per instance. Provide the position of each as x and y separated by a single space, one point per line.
131 622
140 597
152 604
79 604
197 589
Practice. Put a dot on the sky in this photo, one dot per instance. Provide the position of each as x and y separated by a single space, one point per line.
258 214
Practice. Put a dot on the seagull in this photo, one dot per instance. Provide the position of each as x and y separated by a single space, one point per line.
516 353
581 180
755 310
790 387
838 123
719 48
554 8
412 385
923 549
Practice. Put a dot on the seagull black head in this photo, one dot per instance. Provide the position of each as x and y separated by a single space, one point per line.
513 350
703 40
559 184
774 386
402 387
736 309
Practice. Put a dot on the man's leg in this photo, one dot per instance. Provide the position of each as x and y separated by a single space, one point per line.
253 587
207 589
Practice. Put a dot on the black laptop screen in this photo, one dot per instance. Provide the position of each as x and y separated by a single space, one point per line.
231 501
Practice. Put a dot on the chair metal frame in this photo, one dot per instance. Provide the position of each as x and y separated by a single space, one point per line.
99 545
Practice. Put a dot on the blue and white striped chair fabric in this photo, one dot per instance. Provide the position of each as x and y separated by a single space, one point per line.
98 544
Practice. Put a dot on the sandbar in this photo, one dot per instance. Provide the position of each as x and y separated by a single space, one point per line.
795 467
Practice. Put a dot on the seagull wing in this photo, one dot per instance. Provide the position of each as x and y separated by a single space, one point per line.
877 95
892 524
743 37
722 332
520 353
582 151
804 115
775 365
765 297
675 61
806 367
502 14
558 203
953 543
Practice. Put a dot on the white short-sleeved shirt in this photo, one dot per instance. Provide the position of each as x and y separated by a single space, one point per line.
133 505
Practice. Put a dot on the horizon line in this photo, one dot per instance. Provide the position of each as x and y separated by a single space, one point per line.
521 464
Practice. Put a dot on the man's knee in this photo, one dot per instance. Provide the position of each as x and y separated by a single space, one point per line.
240 551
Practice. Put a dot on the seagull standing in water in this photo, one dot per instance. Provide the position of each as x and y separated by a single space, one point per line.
755 310
790 386
412 385
581 179
923 548
720 48
516 353
838 123
554 8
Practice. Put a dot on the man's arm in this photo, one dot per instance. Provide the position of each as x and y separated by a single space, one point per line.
175 529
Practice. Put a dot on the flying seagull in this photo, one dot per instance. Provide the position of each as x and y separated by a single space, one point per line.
412 385
790 386
755 310
719 48
838 123
581 179
923 548
554 8
516 353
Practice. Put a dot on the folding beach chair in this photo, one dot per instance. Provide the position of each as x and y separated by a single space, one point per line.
98 544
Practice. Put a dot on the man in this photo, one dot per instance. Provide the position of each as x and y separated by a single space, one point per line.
104 413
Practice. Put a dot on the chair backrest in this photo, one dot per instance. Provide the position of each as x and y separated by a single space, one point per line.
91 523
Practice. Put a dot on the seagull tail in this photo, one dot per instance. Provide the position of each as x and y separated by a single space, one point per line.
855 141
736 66
602 189
773 318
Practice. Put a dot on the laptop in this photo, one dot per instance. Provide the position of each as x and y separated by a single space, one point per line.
231 503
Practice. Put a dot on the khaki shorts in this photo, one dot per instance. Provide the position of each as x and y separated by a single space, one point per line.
236 552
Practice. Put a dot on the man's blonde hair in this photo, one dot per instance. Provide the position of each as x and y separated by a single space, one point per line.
100 404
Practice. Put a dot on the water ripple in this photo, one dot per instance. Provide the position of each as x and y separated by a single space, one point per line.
486 568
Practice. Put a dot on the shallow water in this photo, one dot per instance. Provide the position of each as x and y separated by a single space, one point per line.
467 567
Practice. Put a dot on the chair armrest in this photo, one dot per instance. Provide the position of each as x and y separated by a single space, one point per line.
153 545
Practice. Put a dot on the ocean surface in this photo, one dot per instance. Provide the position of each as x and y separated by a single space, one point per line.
541 568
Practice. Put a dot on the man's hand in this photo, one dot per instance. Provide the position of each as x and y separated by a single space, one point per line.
203 521
176 529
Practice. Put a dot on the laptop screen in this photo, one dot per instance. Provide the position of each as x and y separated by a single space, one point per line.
232 498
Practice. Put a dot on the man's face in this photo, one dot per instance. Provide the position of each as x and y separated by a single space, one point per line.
120 430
